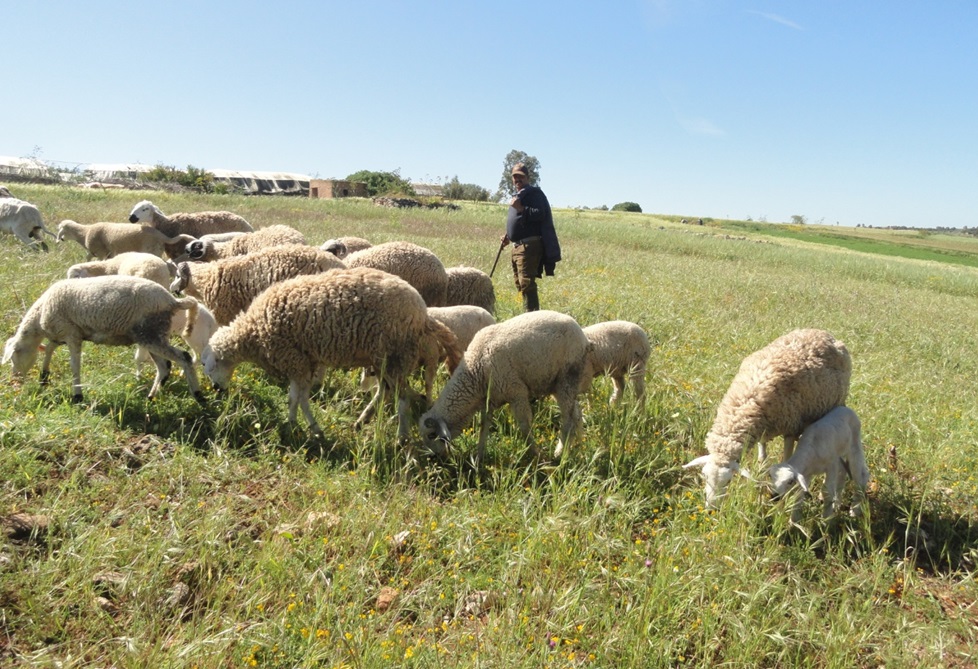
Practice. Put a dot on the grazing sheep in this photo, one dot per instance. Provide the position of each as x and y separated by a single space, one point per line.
620 349
297 329
131 263
464 321
112 310
778 391
344 246
215 247
196 224
530 356
468 285
105 240
228 286
831 446
23 220
415 264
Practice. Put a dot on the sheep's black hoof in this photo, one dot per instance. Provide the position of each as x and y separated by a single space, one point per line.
77 399
45 377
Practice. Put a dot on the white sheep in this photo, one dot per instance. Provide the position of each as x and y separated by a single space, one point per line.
778 391
225 245
468 285
415 264
112 310
23 220
345 318
620 349
832 446
130 263
530 356
105 240
344 246
228 286
196 224
464 321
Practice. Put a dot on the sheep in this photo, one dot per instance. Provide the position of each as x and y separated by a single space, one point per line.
778 390
344 246
831 446
215 247
112 310
619 349
196 224
468 285
464 320
131 263
343 318
5 193
228 286
105 240
23 220
527 357
415 264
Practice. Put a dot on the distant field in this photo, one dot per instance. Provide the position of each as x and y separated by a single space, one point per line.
163 533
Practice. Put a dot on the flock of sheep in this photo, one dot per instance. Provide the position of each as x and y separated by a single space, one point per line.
269 298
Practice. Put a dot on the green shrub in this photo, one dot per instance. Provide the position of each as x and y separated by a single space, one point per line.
627 206
383 183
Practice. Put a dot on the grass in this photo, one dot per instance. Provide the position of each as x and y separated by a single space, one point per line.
167 534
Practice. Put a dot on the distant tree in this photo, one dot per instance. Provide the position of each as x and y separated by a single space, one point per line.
383 183
453 190
798 219
627 206
506 190
193 178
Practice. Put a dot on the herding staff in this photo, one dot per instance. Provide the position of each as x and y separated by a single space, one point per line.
502 245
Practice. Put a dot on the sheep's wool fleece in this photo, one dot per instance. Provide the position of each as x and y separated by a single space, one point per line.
102 309
528 355
228 286
779 390
415 264
342 318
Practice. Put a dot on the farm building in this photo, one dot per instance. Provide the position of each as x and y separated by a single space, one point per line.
115 171
333 188
264 183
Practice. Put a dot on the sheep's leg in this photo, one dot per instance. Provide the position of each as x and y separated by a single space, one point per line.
761 451
371 408
142 356
618 381
46 363
637 376
75 350
570 418
833 478
162 351
483 434
299 398
162 373
523 416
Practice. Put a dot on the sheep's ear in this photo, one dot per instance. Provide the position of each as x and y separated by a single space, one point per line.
437 429
697 462
802 482
195 250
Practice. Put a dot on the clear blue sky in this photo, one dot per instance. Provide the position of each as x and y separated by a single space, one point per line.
848 112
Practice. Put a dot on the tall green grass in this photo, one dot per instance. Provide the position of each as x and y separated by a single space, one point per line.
175 535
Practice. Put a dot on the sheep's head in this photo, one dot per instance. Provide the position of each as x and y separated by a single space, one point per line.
142 212
784 476
62 226
217 369
435 434
336 247
181 279
716 476
20 354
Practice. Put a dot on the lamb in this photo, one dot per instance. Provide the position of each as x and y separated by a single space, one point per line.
225 245
468 285
344 246
530 356
415 264
131 263
196 224
344 318
464 321
113 310
105 240
228 286
778 390
619 349
23 220
831 446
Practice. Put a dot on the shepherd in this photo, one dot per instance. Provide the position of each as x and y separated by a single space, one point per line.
530 228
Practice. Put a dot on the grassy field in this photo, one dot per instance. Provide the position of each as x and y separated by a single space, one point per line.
169 534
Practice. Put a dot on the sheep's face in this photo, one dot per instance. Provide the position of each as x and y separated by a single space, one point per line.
21 355
716 477
782 478
435 435
217 370
60 236
142 212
